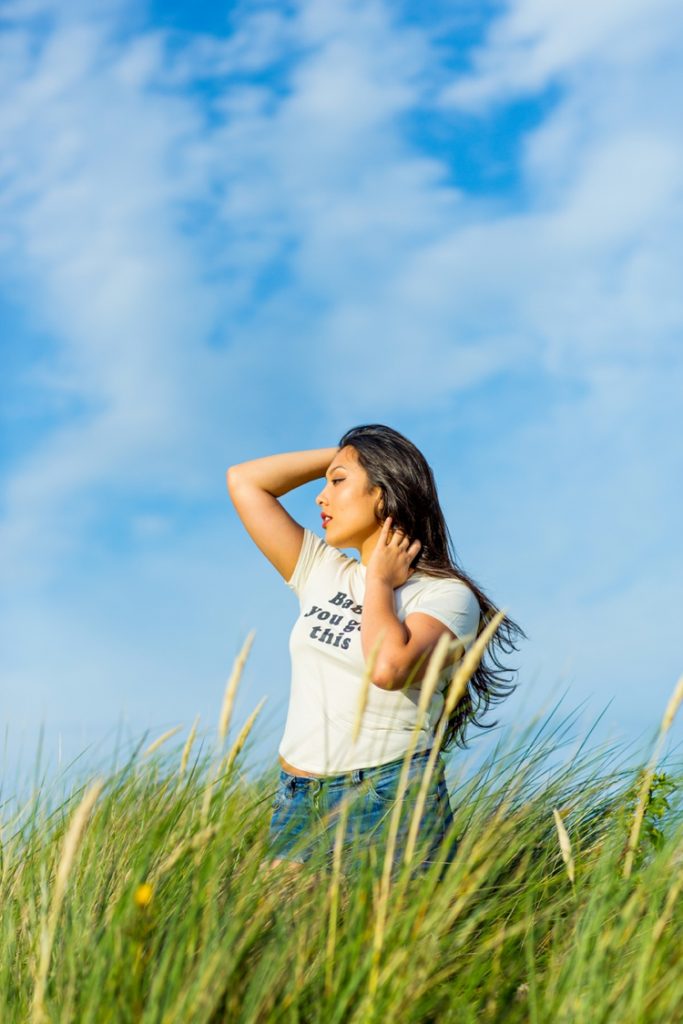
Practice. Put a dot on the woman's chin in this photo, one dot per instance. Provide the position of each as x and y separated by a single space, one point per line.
335 540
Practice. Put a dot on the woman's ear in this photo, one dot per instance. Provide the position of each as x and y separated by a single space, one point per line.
379 502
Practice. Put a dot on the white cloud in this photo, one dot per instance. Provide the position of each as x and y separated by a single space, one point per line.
103 166
90 199
537 42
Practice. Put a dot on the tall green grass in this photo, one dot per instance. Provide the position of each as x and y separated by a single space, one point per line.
140 897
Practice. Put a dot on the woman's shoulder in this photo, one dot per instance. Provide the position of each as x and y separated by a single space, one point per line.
448 599
315 553
423 582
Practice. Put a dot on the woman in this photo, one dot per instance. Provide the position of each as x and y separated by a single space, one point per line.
394 603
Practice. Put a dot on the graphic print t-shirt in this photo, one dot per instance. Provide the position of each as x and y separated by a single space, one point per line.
328 664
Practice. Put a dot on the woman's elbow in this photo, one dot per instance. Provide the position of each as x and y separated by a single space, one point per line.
233 476
388 676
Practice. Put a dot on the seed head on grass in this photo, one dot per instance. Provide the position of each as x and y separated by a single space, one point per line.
470 662
223 767
672 707
237 746
188 747
565 845
231 687
161 740
69 849
669 715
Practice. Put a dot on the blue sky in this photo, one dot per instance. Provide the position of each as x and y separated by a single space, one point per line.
232 230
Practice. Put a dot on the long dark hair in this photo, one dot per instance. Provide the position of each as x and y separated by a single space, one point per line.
409 496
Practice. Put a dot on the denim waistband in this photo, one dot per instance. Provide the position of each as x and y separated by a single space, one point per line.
353 777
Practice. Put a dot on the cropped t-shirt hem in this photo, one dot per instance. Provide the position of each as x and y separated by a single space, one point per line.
422 747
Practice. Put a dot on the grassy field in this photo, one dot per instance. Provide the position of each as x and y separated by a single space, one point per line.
138 897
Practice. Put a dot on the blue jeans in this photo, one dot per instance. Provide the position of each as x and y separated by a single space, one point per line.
305 812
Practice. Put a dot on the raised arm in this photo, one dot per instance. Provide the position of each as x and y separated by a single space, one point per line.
255 487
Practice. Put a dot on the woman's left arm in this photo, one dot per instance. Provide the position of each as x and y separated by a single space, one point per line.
403 642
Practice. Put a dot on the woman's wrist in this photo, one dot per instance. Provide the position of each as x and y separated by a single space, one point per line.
279 474
375 577
379 616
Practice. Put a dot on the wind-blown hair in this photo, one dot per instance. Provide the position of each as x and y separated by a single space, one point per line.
409 496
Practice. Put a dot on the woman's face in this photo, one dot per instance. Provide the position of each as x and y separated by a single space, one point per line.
346 499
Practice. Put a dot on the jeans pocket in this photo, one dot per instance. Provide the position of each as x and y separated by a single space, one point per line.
384 786
281 797
384 789
277 800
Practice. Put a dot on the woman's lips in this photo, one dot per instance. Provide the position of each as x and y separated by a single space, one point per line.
325 518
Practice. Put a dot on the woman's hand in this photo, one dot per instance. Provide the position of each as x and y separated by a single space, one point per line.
390 561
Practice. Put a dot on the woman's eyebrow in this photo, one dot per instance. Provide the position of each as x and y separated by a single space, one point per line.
335 468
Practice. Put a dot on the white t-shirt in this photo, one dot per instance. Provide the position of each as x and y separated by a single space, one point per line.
328 664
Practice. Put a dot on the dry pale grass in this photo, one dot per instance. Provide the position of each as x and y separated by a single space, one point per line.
68 854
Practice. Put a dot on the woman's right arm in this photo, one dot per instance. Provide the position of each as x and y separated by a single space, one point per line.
255 487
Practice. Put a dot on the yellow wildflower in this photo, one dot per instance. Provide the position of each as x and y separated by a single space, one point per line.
143 894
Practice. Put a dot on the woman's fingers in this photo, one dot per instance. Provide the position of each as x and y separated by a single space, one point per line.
404 541
399 537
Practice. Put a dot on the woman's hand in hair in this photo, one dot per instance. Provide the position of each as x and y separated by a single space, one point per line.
391 558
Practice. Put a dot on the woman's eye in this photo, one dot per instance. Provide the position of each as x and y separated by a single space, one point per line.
339 480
